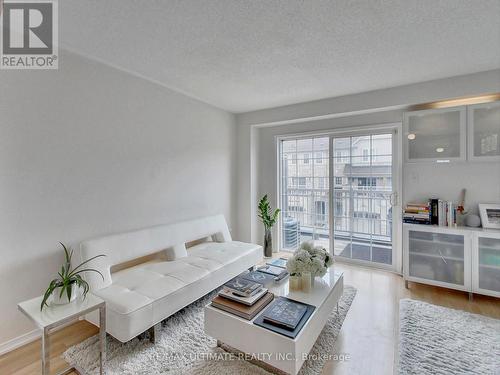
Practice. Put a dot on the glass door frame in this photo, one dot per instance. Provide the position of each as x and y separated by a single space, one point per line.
397 165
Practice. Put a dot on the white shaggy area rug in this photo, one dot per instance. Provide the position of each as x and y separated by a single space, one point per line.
184 348
435 340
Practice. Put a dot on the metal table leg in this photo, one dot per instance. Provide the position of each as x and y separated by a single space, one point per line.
102 338
45 352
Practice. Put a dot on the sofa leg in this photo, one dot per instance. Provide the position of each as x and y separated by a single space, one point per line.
153 333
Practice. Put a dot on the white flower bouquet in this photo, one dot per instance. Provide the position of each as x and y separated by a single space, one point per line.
309 258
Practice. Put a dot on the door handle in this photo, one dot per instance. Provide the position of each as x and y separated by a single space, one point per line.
393 199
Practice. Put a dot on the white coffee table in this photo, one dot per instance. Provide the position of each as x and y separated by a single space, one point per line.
275 352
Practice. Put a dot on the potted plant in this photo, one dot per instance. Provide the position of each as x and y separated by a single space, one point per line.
64 289
268 218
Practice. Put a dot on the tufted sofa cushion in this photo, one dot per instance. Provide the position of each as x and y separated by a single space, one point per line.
141 296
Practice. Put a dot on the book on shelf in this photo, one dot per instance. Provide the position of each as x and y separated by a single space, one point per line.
416 221
249 301
241 310
436 212
434 203
280 262
446 215
285 313
242 287
417 213
417 216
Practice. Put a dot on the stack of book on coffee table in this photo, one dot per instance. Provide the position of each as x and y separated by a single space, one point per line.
279 273
243 298
285 316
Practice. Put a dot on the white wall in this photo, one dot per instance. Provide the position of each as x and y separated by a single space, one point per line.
89 150
420 181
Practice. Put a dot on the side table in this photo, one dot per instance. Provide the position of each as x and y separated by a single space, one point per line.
53 316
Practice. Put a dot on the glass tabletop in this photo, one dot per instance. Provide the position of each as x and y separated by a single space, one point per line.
323 286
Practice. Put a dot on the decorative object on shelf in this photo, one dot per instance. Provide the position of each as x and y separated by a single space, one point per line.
472 220
461 211
268 218
490 215
65 288
310 259
294 283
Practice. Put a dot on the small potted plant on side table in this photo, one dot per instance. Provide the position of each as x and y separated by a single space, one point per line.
64 289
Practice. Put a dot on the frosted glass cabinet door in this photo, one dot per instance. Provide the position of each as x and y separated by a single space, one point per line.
484 131
435 134
488 263
437 257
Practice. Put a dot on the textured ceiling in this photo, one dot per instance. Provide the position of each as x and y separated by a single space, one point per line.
243 55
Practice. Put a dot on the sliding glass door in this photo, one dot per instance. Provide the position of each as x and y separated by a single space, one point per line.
341 187
362 195
305 192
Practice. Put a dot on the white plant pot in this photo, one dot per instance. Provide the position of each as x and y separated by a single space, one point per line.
63 300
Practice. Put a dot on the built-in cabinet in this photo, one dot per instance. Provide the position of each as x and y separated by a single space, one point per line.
484 131
486 262
435 134
453 134
458 258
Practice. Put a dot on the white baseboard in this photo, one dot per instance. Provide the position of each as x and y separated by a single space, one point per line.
19 341
31 336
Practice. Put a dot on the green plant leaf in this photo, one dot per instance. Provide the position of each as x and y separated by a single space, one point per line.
68 292
63 288
88 270
48 293
67 254
266 215
81 264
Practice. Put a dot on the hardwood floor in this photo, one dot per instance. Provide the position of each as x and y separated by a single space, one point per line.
368 337
26 360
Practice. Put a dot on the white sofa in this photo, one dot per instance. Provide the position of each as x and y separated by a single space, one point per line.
140 296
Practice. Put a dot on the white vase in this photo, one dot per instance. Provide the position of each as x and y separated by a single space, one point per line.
294 282
306 282
57 299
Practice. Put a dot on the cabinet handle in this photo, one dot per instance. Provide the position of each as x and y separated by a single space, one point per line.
441 255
